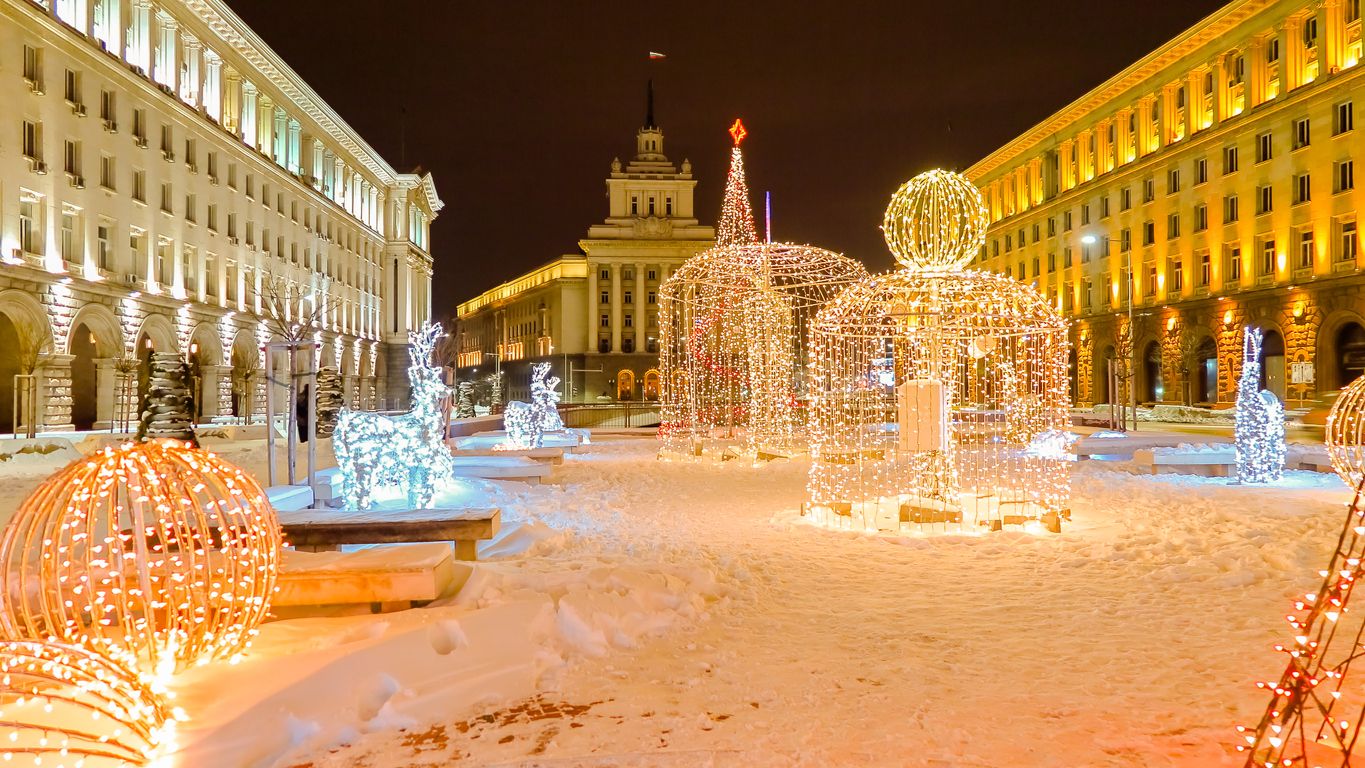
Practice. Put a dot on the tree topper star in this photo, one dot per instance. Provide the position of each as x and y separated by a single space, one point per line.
737 132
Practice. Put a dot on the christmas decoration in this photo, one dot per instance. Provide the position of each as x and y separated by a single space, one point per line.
736 213
329 402
939 396
1314 717
159 550
464 406
374 450
1259 425
168 407
66 705
527 423
1345 433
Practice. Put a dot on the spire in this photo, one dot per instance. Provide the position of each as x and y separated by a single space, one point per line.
736 213
649 104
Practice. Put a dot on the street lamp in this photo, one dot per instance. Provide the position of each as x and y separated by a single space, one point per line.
1132 331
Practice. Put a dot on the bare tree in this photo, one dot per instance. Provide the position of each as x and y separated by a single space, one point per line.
294 312
1188 355
33 340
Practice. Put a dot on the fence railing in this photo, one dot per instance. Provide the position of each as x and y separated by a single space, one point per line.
621 414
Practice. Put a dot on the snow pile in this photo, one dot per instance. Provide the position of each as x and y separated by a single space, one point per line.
1188 449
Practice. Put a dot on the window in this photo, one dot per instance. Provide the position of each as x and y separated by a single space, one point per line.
210 275
1302 136
628 274
1125 240
1268 257
668 206
1085 214
1173 226
1066 256
1037 232
103 249
605 321
1350 245
1177 276
1051 226
1310 32
232 225
71 158
232 176
1125 198
1229 160
32 141
1148 190
627 298
652 275
191 214
1036 269
1151 281
33 68
166 197
1173 181
1352 10
1107 289
1345 175
1009 243
140 127
72 89
1205 269
1233 271
626 319
213 167
653 297
1265 202
1306 250
108 112
1066 221
167 145
606 297
604 275
1303 188
250 187
107 172
1264 148
1201 171
634 205
1087 288
213 217
1272 50
1201 217
1148 232
1104 211
187 271
1052 262
1345 118
69 243
140 186
1229 209
29 228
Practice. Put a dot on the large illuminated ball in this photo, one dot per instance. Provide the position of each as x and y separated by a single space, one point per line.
159 550
936 222
63 705
1345 434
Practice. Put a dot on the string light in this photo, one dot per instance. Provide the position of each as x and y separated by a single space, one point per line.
408 450
67 705
736 213
1258 426
939 396
527 423
1345 433
159 550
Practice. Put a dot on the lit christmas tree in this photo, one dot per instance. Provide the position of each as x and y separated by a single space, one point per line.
736 214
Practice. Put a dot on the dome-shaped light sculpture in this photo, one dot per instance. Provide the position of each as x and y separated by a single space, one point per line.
732 327
939 396
157 550
1345 433
66 705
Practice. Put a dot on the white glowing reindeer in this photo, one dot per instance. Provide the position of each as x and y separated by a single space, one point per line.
1259 425
408 450
527 423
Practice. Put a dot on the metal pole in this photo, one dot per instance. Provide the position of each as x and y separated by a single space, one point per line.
312 385
1132 349
266 352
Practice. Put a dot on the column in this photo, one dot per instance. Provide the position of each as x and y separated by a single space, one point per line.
54 392
106 386
265 124
1144 138
294 147
189 81
1331 37
215 390
641 308
1066 154
1194 102
616 308
381 199
315 164
594 322
1222 92
213 85
164 64
249 132
139 52
1123 136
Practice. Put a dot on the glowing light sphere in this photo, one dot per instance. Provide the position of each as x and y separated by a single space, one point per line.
939 397
1345 433
64 705
158 550
733 358
936 222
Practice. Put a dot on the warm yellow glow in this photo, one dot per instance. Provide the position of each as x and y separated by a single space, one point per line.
159 550
64 705
1227 317
1345 433
1170 324
938 396
1298 310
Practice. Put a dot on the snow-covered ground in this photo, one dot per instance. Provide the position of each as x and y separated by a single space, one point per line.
645 613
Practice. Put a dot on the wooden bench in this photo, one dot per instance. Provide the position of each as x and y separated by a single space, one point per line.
377 579
326 530
1208 463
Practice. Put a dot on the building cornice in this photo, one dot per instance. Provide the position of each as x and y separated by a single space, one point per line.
1149 67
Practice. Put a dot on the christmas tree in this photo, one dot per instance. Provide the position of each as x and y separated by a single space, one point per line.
168 407
736 214
464 406
329 400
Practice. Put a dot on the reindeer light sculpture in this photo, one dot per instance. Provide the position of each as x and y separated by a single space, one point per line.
408 450
527 423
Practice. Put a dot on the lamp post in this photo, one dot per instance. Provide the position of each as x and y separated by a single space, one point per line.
1132 331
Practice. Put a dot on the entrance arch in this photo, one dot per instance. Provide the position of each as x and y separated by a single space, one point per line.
1100 374
1272 363
1206 371
84 378
625 385
9 368
1153 384
1350 360
651 384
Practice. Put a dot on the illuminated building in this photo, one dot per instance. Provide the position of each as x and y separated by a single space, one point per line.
161 164
1221 167
594 316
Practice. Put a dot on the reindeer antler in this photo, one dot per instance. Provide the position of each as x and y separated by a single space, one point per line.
423 343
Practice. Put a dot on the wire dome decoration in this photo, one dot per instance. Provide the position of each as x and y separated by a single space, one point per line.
157 550
936 222
1345 433
67 705
732 325
938 397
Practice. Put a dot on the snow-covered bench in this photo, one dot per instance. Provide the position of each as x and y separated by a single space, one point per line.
287 498
324 530
1208 460
1311 457
328 489
548 455
376 579
501 468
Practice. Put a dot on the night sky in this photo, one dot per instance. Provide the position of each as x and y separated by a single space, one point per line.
519 107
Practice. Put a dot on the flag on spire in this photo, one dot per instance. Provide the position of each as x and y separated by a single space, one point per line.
736 213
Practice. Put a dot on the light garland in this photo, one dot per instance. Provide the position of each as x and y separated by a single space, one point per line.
409 450
66 705
527 423
1345 433
1258 426
938 396
158 550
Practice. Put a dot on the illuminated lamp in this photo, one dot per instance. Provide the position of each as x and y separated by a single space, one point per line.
1298 310
1227 317
1170 324
66 705
157 550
